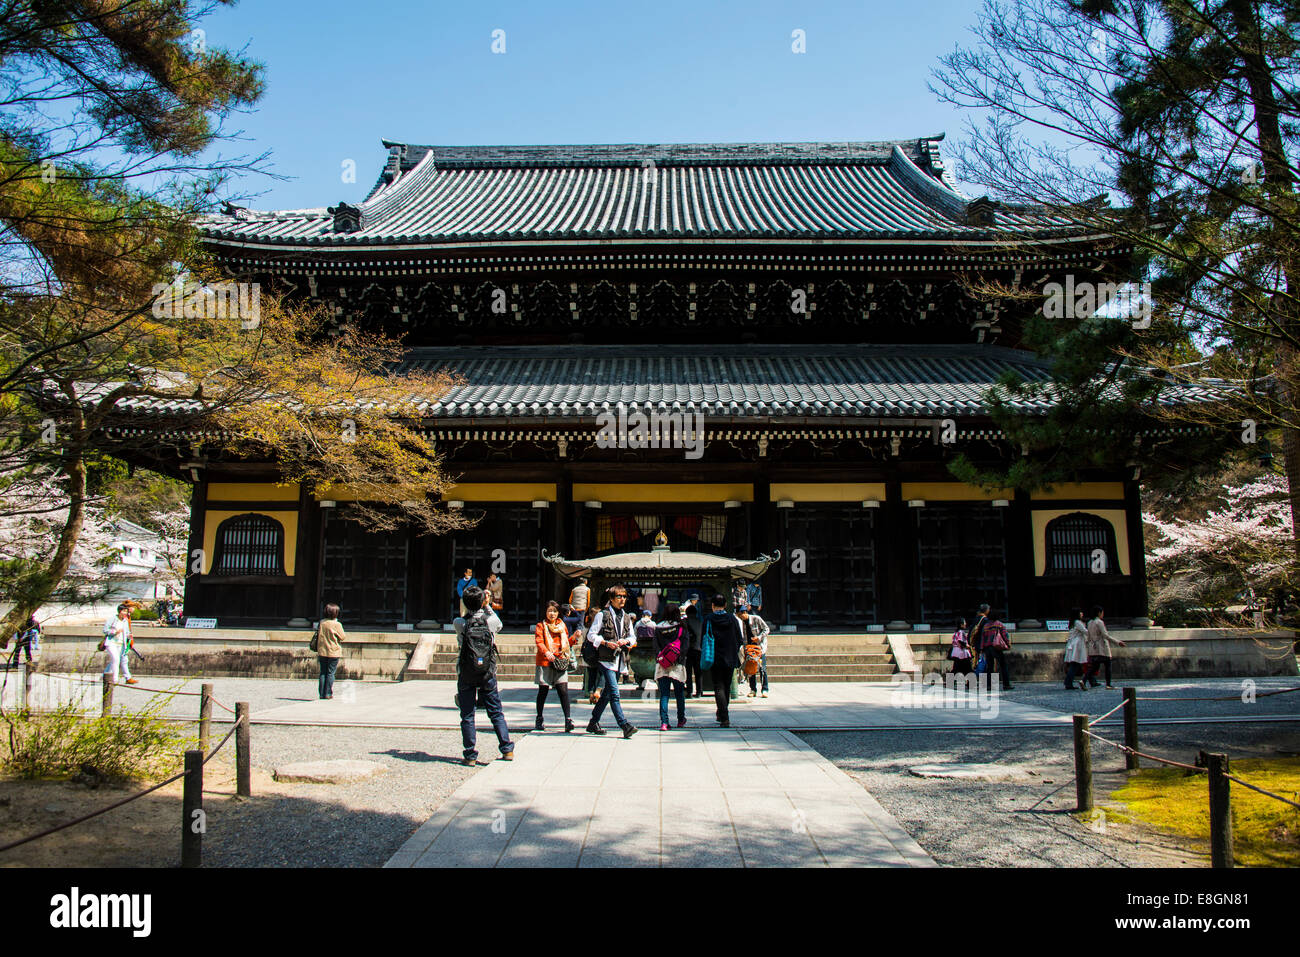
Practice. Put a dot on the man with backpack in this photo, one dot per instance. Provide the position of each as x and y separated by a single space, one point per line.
476 680
721 642
609 638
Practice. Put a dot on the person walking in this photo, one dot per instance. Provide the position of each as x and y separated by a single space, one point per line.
754 594
117 645
694 630
960 654
329 649
995 642
671 638
476 679
28 640
553 658
726 633
755 633
612 633
1076 652
1099 640
466 580
976 635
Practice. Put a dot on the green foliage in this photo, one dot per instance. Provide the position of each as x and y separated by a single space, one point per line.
123 745
144 614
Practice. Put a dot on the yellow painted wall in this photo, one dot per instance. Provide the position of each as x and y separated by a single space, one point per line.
500 492
953 492
1081 490
1116 517
251 492
828 492
214 517
348 493
584 492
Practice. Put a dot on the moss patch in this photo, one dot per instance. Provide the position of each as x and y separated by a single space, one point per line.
1266 832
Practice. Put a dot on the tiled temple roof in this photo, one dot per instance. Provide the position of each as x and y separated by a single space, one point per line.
431 195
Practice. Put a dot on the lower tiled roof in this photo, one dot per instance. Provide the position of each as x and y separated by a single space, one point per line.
740 381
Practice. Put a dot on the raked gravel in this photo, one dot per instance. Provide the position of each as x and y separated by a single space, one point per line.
977 824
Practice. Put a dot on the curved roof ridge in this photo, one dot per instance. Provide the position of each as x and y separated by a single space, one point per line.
932 190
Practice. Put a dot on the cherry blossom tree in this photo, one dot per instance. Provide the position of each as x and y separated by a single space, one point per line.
1243 546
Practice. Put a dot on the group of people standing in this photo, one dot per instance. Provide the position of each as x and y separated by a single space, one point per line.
687 642
983 648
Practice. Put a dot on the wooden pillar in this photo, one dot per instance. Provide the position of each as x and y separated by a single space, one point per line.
896 557
1136 550
193 596
1019 550
563 525
306 572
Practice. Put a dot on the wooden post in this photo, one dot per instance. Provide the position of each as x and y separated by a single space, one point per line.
192 823
243 744
106 700
1082 764
205 718
1220 809
22 686
1130 728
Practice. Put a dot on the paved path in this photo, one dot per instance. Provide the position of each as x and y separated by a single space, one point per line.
800 706
680 798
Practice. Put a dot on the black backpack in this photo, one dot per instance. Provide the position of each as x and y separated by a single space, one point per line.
477 646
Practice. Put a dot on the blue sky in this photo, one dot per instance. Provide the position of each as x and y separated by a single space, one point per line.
342 74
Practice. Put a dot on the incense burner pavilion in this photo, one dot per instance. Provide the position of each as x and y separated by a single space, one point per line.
758 349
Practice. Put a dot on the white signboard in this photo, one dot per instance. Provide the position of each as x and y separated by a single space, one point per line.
200 623
1058 626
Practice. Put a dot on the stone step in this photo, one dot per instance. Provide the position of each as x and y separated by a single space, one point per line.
840 668
575 680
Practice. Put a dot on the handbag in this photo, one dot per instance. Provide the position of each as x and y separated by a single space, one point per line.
981 666
314 644
706 647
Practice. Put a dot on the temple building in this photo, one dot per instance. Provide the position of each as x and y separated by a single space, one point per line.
757 349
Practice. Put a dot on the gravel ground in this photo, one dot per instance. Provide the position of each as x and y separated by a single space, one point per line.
1053 696
975 824
335 825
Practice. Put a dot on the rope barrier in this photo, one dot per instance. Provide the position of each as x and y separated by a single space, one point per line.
1142 754
127 687
1262 791
1108 713
1231 697
134 797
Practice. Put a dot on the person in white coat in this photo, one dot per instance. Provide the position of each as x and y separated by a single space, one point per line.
1076 651
756 632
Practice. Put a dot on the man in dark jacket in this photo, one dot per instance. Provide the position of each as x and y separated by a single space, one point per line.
727 639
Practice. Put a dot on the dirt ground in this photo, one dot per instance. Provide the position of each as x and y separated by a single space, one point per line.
144 833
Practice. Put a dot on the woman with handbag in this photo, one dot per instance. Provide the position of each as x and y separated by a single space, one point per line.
554 662
960 653
671 638
328 645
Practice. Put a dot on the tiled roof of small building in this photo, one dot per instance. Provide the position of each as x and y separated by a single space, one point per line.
443 194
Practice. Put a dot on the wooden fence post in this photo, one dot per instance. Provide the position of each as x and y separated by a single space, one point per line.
205 718
21 690
192 823
243 759
106 699
1220 809
1131 728
1082 764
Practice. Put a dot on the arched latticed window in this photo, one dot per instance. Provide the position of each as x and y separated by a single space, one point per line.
1081 544
249 545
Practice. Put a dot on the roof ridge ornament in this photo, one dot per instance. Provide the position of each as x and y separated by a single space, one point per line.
347 218
980 211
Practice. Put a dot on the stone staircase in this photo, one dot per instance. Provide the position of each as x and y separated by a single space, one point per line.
789 658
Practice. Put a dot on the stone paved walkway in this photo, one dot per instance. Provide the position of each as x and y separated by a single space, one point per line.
802 706
682 798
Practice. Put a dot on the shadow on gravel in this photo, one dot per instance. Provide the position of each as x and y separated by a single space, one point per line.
419 757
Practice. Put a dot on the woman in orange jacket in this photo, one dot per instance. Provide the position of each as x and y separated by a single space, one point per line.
553 661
